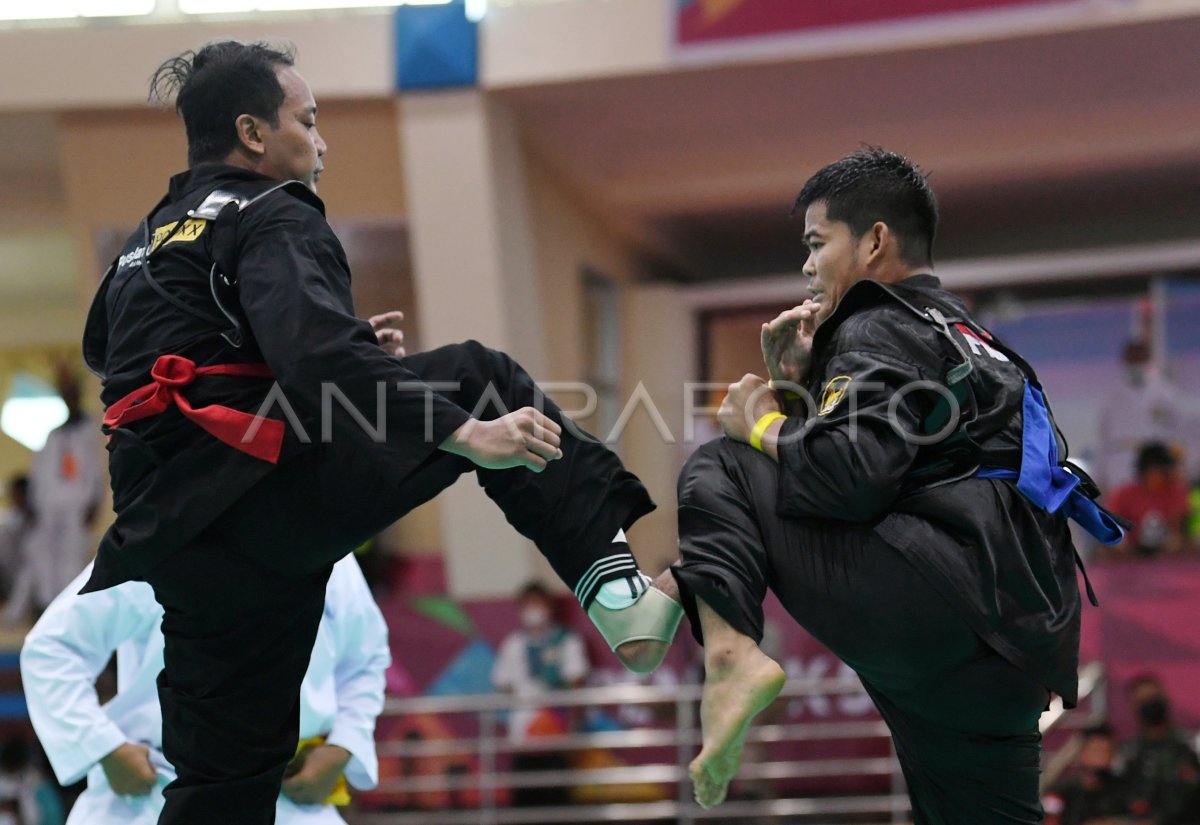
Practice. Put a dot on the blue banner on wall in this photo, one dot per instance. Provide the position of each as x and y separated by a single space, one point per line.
437 47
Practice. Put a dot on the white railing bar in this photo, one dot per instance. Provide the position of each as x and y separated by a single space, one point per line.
647 811
598 696
638 738
640 774
683 737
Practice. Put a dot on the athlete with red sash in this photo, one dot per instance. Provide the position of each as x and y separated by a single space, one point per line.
258 432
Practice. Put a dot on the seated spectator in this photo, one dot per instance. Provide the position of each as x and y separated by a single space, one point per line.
1094 794
15 522
1159 762
539 657
1156 502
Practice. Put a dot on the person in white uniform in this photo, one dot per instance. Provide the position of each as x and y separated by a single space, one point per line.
118 745
67 480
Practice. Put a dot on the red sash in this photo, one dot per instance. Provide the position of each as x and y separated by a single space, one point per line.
252 434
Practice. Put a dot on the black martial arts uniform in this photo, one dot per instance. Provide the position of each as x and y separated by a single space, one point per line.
234 299
921 565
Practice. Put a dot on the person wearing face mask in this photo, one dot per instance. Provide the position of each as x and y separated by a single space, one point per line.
901 486
1094 794
1144 407
540 656
1159 761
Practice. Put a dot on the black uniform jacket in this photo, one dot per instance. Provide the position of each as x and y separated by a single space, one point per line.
290 309
880 369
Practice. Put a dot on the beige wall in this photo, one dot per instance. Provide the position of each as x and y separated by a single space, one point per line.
656 341
115 165
500 245
98 65
553 42
660 354
469 235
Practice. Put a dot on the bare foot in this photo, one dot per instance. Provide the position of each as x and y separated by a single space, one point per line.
739 683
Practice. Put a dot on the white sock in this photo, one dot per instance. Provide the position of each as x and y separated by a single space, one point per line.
621 593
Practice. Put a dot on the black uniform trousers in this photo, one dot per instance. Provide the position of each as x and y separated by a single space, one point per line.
963 719
243 601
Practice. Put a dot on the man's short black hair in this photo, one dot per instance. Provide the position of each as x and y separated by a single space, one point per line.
875 185
535 588
214 85
1155 454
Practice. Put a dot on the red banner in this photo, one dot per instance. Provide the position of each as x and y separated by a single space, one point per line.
1148 623
709 21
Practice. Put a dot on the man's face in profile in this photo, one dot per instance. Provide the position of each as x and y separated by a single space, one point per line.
293 149
833 260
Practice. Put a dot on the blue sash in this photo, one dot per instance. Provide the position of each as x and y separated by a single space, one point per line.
1047 483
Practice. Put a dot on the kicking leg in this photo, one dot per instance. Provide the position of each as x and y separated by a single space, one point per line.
643 655
575 510
739 682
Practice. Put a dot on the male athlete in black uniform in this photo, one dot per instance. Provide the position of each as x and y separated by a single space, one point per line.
902 488
259 432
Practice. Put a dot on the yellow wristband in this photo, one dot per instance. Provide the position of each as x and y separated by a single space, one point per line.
760 428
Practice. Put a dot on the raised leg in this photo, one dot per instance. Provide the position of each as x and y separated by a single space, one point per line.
739 682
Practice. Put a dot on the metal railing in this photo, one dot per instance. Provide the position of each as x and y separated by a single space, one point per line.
489 745
681 739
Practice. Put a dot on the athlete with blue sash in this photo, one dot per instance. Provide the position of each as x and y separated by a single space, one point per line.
901 486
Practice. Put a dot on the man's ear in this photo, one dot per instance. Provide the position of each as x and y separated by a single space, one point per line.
249 132
875 241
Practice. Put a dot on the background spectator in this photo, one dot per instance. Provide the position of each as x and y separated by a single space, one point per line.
1094 794
15 523
1145 408
539 657
66 486
1156 502
1159 762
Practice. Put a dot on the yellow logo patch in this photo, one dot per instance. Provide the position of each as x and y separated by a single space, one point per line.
835 391
191 230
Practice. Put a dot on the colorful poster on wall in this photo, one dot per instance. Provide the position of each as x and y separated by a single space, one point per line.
722 21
